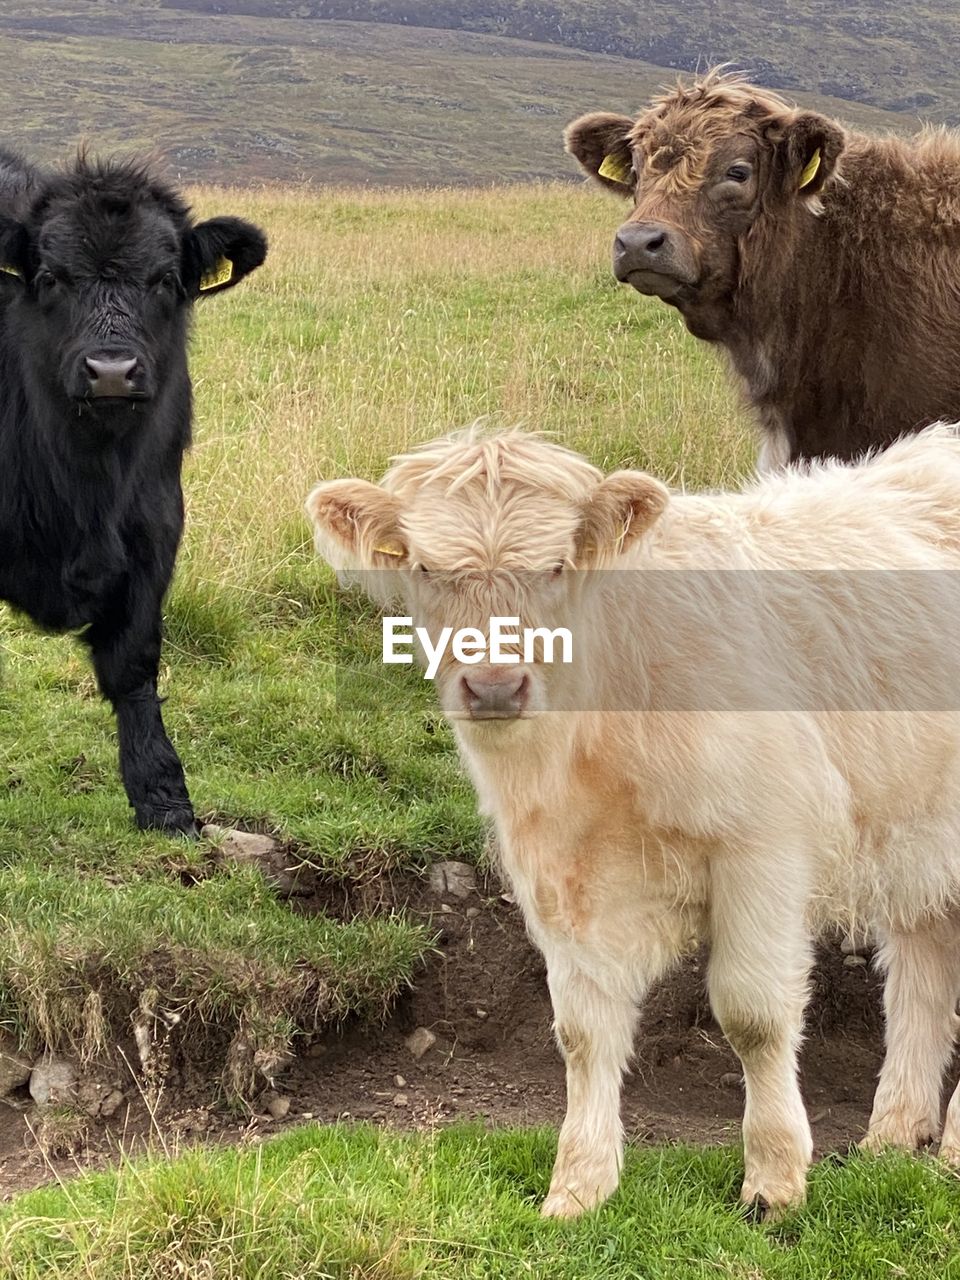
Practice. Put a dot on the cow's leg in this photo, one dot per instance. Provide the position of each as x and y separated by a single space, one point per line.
595 1020
760 959
920 994
125 647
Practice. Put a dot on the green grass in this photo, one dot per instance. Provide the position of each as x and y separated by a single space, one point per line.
357 1204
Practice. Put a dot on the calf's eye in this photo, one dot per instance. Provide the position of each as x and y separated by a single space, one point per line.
738 173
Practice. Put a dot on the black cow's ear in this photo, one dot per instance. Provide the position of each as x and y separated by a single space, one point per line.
600 143
808 148
217 255
14 258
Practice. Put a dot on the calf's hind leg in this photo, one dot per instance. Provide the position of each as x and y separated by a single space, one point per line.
919 997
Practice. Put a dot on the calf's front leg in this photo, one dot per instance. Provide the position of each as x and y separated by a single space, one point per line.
595 1020
125 647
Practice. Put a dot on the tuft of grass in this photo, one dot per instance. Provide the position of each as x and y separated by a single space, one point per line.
462 1204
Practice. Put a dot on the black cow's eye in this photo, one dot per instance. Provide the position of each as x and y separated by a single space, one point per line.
738 173
168 280
44 279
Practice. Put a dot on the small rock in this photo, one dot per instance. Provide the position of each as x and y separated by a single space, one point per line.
14 1067
53 1081
111 1103
453 879
420 1041
262 851
731 1080
508 898
278 1106
472 912
482 1013
855 962
399 1082
316 1050
400 1100
446 908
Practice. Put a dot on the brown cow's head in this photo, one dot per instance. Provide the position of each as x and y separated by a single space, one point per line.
476 527
702 165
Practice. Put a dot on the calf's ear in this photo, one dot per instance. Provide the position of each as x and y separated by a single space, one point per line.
356 525
599 143
14 256
217 255
808 148
621 509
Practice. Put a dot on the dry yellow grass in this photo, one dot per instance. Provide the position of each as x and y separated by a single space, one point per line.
383 318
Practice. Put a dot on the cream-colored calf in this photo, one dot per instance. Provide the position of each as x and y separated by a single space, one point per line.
758 737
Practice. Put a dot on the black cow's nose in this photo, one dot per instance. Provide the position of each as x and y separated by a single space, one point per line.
640 246
112 377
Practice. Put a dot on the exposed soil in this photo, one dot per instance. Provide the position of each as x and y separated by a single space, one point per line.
483 994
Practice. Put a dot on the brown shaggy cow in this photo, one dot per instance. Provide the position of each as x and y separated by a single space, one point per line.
826 262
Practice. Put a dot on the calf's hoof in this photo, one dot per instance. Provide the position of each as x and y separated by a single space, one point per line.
571 1195
771 1201
173 822
898 1133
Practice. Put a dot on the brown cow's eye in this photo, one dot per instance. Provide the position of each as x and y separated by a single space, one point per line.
557 569
738 173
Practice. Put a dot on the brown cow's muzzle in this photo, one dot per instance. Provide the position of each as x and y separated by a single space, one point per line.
654 258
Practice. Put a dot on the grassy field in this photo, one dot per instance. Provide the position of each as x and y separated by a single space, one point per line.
461 1204
378 320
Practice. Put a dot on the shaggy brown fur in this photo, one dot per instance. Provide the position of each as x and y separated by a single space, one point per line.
838 301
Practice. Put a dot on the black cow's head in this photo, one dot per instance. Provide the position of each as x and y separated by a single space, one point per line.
105 264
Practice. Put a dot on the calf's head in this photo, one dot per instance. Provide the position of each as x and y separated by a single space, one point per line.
702 165
476 527
100 274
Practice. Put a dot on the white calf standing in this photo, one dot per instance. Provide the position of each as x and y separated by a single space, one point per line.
738 756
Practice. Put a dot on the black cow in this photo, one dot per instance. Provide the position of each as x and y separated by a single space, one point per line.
99 268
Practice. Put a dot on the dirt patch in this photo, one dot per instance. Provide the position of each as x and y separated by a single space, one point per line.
483 994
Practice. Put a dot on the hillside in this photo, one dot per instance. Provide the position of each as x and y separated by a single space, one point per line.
238 90
898 57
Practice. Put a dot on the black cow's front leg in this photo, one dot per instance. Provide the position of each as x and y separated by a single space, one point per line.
125 647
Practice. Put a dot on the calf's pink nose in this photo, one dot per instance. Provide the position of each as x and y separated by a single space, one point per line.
495 693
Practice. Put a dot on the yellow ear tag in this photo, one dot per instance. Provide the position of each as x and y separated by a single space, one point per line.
220 274
616 168
810 170
11 271
390 551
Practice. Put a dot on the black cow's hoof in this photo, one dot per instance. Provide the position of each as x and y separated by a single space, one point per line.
172 822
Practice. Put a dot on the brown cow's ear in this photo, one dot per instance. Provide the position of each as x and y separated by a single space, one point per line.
599 142
622 508
808 151
357 525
